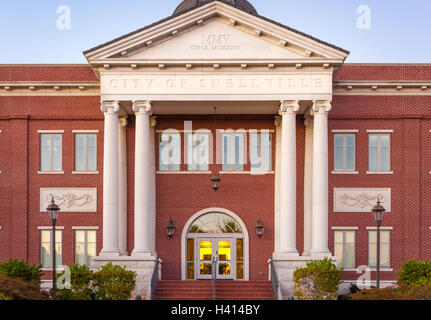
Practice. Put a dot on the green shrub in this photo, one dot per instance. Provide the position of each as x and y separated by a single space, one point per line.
318 280
394 293
81 279
415 273
113 282
18 289
4 297
21 269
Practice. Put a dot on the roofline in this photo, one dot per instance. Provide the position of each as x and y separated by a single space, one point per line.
44 64
204 4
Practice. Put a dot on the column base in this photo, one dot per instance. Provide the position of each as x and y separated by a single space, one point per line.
285 254
325 253
149 254
110 253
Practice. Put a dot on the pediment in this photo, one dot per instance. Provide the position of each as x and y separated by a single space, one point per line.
215 32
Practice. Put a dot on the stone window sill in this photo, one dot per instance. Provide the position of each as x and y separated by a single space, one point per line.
387 172
183 172
383 269
50 172
85 172
345 172
254 173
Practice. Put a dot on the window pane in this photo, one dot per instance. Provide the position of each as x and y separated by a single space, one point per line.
57 153
338 236
349 258
240 249
385 159
240 270
350 158
91 140
373 159
372 236
91 159
79 159
80 140
384 255
45 149
190 271
190 250
45 248
372 254
91 253
226 163
169 152
385 140
80 253
338 140
338 252
350 236
91 236
338 158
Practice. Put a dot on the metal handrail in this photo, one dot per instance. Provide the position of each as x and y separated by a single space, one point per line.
274 279
154 279
214 276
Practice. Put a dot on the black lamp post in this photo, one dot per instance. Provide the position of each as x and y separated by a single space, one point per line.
260 228
215 182
170 228
53 211
378 211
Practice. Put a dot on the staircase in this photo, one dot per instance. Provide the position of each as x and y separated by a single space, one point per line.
225 290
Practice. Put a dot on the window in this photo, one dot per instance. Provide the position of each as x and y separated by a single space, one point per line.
198 152
85 247
169 152
233 152
344 152
45 248
379 152
260 152
50 152
85 152
384 248
344 248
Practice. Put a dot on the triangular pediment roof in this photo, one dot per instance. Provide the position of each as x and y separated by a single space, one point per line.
215 31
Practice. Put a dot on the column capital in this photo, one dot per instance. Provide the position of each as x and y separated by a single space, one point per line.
289 106
322 104
110 107
277 121
142 106
122 122
153 121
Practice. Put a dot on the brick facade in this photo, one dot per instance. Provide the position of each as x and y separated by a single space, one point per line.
250 197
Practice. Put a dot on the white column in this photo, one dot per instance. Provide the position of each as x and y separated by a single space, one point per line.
277 123
122 184
153 123
320 179
308 183
110 180
143 220
288 112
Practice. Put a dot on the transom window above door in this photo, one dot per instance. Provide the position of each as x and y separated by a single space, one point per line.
215 223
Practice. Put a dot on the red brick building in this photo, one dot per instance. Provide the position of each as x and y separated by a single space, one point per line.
310 171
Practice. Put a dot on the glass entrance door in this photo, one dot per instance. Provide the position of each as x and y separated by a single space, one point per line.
219 250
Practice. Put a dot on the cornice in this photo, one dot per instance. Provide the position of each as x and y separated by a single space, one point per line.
48 88
382 88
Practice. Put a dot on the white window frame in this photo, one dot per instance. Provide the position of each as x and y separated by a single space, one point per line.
86 170
49 231
380 133
344 150
169 164
344 230
382 229
191 151
259 134
231 165
85 230
51 134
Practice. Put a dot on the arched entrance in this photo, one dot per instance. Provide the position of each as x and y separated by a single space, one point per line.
219 234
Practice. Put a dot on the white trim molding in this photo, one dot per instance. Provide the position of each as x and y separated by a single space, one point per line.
50 228
50 172
345 172
85 228
345 131
183 172
51 131
85 131
381 228
85 172
345 228
380 172
380 131
237 219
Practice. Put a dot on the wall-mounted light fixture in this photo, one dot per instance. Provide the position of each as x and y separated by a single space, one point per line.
215 182
170 228
260 228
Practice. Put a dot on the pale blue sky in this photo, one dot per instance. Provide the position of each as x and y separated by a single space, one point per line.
400 30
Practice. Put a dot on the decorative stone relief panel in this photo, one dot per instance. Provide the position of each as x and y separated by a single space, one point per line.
360 199
70 199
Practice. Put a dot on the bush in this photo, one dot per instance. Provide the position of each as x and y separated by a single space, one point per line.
394 293
21 269
415 273
81 279
113 282
318 280
18 289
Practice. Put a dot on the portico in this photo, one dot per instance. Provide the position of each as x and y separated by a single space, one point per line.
218 56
